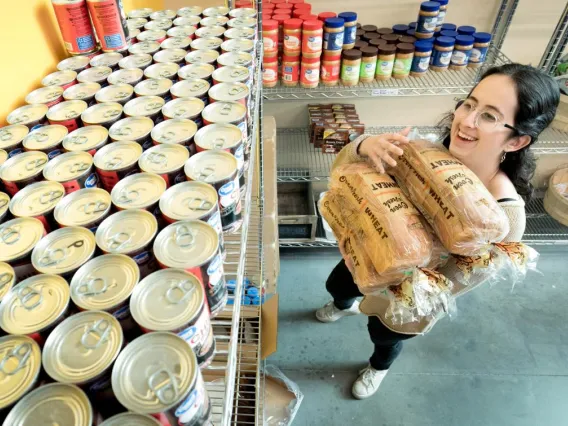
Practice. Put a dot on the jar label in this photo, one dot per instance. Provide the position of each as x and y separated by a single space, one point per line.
290 73
368 69
441 59
350 72
460 57
333 41
478 54
313 44
330 72
350 35
402 66
420 64
269 75
311 75
426 24
441 18
384 67
269 44
291 42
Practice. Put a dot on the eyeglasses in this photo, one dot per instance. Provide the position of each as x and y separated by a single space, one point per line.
484 120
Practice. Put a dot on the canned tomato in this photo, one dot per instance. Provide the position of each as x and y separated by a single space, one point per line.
145 107
227 113
193 245
152 35
213 31
32 116
110 60
207 43
220 169
166 160
174 300
190 11
119 93
155 87
82 92
7 280
216 11
135 129
38 200
158 374
67 114
197 71
243 12
63 79
178 131
181 31
144 12
116 161
74 170
229 92
146 47
196 88
74 63
140 60
21 170
21 367
11 138
46 95
176 43
232 74
95 75
159 24
17 240
242 33
189 108
238 45
176 56
94 338
109 21
163 14
131 76
136 24
139 191
202 57
162 70
87 207
104 114
35 307
130 232
131 419
88 139
214 21
75 24
47 139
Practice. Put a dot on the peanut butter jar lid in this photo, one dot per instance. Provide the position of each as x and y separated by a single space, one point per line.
352 54
405 48
371 28
381 31
359 32
377 42
407 39
391 38
369 52
359 44
387 49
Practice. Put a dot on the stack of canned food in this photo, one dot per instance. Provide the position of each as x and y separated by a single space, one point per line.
115 201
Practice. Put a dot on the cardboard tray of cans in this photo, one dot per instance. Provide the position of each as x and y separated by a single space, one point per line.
332 126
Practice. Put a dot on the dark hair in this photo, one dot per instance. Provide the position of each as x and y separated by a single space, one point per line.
538 96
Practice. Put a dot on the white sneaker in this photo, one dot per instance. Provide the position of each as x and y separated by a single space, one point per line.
330 313
368 382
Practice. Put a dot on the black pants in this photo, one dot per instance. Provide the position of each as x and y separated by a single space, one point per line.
388 343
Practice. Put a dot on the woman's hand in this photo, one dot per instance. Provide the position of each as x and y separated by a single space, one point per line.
380 149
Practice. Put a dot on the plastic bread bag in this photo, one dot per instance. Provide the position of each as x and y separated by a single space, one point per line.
518 259
457 205
282 398
331 213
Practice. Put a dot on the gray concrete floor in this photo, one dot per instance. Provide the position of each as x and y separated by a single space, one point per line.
502 360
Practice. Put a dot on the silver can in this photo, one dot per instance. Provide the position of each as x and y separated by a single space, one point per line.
162 70
46 95
82 92
131 76
74 170
197 71
243 12
136 23
133 34
243 32
95 75
74 63
144 12
145 107
31 116
120 93
229 92
233 74
202 57
159 24
131 419
212 31
242 59
207 43
214 21
3 156
67 114
189 108
243 22
47 139
163 14
139 191
87 207
227 113
181 31
21 170
140 60
190 11
4 207
110 59
155 87
7 280
146 47
102 114
63 79
196 88
176 56
88 139
38 200
187 21
116 161
152 35
216 11
176 43
238 45
179 131
11 138
167 161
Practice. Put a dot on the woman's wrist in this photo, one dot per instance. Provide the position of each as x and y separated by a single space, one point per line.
358 143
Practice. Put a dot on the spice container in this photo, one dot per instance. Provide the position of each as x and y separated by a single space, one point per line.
441 14
421 60
290 70
270 35
479 51
326 15
270 70
400 29
330 68
312 38
350 67
442 54
309 73
466 30
350 24
292 37
427 19
391 38
385 61
368 64
462 52
403 60
333 34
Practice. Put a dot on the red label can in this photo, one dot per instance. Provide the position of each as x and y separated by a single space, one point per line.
109 20
75 25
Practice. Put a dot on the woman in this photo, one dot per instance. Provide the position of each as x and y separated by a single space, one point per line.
490 132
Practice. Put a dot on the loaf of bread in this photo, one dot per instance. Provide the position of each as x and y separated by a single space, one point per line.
463 213
330 211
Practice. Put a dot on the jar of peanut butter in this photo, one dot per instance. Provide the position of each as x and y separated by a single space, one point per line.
385 61
350 67
290 70
441 14
333 34
368 64
462 52
350 19
442 54
292 37
421 60
309 73
312 38
403 60
479 51
427 19
330 68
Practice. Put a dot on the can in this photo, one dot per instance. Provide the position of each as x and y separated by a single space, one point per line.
207 43
135 129
190 11
17 239
144 12
174 300
220 169
229 92
162 70
163 14
74 170
147 47
243 22
95 75
193 245
214 21
139 191
196 88
87 207
233 74
67 114
179 131
227 113
3 156
193 201
131 76
63 79
7 280
21 368
109 60
158 374
82 92
243 12
155 87
145 107
241 32
119 93
46 95
38 200
11 138
197 71
133 34
131 419
35 307
109 21
136 24
187 21
181 31
206 56
88 139
189 108
75 25
216 11
74 63
176 43
176 56
104 114
242 59
159 24
213 31
130 232
116 161
4 207
21 170
47 139
238 45
140 60
32 116
165 160
152 35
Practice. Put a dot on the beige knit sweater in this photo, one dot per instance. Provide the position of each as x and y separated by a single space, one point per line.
377 305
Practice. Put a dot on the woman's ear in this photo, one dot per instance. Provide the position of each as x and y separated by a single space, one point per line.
517 143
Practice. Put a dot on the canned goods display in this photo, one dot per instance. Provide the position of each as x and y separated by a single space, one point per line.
144 12
207 43
104 114
87 207
176 56
243 59
181 31
176 43
119 93
193 245
154 87
140 60
196 88
68 401
175 131
229 92
213 31
63 79
95 75
187 21
136 23
131 419
88 139
131 76
67 114
138 191
4 205
238 45
197 71
35 306
147 47
227 113
46 95
163 14
202 57
162 70
189 11
74 63
31 116
116 161
110 60
243 12
144 107
11 138
152 35
21 170
232 74
38 200
48 139
159 24
82 92
109 20
216 11
243 32
7 281
166 160
189 108
213 21
75 25
74 170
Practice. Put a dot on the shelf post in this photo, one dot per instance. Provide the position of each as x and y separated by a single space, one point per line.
556 45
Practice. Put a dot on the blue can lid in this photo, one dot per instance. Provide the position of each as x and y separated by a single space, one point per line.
466 30
482 37
449 27
442 2
464 40
334 22
400 28
411 33
412 25
348 16
447 33
445 41
430 6
423 45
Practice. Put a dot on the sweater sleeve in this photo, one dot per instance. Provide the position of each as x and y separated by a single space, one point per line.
350 154
515 211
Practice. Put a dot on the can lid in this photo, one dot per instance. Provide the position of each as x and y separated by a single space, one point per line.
149 47
189 201
334 22
190 88
181 31
482 37
73 63
136 23
126 231
138 191
131 419
19 236
449 27
85 138
348 16
214 31
154 359
159 24
34 304
224 112
114 94
81 91
163 14
36 199
59 78
144 12
106 59
187 20
118 155
243 11
21 365
445 41
387 49
27 114
407 39
174 131
350 54
66 110
326 15
169 55
211 166
142 106
152 35
139 60
45 137
196 71
239 44
466 30
134 32
94 337
235 58
232 74
94 74
44 95
82 207
430 6
448 33
369 52
242 22
423 45
162 70
183 108
218 136
126 76
187 244
176 43
269 25
312 25
23 166
202 56
391 38
7 280
213 21
206 43
465 40
163 158
13 134
68 166
153 87
229 92
103 112
190 11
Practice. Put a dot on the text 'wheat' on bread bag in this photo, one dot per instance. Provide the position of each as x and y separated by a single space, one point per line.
394 236
461 210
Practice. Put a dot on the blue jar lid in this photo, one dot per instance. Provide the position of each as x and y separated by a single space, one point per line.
412 25
464 40
442 2
445 41
334 22
253 291
400 28
411 33
423 45
430 6
482 37
447 33
449 27
466 30
348 16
